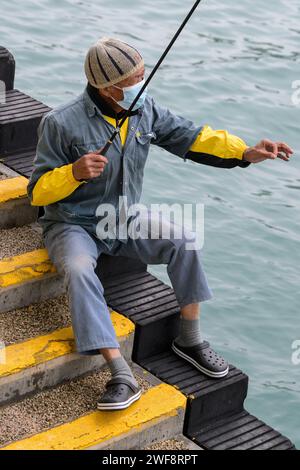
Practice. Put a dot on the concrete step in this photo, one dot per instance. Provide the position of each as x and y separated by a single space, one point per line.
179 442
19 240
28 278
65 418
15 208
47 356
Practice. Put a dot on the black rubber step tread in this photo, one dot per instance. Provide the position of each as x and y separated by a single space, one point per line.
22 116
279 443
156 307
152 309
24 162
172 369
232 423
252 428
241 431
147 304
13 96
156 359
128 305
124 278
125 302
17 94
16 159
122 292
22 151
10 106
26 112
25 172
210 385
167 309
15 100
182 372
139 284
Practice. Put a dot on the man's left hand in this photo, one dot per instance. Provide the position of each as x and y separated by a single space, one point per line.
267 150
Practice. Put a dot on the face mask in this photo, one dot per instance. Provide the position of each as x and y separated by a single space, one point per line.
130 93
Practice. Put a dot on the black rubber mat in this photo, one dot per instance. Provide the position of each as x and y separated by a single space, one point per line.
20 116
241 431
215 417
21 162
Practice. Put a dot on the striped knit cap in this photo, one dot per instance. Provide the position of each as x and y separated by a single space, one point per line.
109 61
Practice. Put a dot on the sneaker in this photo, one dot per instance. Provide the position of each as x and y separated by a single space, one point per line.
203 358
120 393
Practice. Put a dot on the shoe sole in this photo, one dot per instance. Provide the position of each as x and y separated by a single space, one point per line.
120 406
214 375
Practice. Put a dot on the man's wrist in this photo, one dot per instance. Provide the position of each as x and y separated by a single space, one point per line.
244 162
244 157
75 178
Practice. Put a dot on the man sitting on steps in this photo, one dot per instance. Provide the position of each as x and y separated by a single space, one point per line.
72 181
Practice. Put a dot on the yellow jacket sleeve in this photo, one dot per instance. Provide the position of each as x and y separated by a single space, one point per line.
218 148
54 185
57 184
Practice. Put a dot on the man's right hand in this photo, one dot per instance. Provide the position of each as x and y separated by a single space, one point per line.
89 166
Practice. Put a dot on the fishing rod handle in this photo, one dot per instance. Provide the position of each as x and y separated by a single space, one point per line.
104 149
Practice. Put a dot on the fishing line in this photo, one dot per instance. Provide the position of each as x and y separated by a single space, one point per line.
118 128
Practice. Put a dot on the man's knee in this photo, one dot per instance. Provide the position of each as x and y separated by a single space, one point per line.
78 266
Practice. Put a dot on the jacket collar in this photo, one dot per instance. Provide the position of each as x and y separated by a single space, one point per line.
95 104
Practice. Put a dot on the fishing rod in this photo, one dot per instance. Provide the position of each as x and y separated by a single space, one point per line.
104 150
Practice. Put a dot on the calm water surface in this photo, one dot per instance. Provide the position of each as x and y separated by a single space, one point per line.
232 68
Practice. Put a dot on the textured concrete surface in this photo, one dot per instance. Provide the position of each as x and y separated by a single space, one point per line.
45 361
157 415
17 213
28 278
4 177
34 320
53 407
178 443
170 444
8 172
17 240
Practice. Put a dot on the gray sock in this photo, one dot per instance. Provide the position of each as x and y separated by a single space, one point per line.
119 368
189 332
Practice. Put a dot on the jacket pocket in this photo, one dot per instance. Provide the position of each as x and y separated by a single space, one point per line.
143 141
82 148
145 138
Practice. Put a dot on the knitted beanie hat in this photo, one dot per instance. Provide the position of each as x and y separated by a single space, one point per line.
109 61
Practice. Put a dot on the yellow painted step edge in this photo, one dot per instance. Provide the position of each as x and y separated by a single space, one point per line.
25 267
13 188
21 356
92 429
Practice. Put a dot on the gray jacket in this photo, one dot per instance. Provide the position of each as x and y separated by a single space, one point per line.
78 127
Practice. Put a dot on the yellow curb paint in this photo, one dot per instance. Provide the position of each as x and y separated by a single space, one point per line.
25 267
122 325
13 188
21 356
94 428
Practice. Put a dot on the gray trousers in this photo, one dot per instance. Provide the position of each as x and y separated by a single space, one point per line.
74 252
